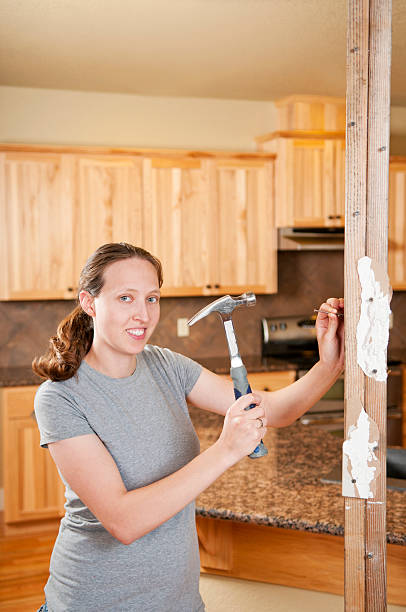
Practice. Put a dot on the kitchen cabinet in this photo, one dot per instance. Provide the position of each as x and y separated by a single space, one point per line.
33 489
309 177
210 222
397 223
271 381
246 238
36 195
180 222
108 204
207 215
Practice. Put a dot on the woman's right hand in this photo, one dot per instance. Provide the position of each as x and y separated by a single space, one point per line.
242 429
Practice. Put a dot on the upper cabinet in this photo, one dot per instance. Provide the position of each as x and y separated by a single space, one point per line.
207 216
309 184
180 222
246 238
108 203
397 223
310 165
36 195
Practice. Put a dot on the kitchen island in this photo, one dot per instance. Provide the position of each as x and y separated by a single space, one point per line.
273 520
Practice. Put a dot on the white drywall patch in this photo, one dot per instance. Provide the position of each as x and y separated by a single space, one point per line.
373 325
360 464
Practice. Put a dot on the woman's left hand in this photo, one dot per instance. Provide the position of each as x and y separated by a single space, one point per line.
330 333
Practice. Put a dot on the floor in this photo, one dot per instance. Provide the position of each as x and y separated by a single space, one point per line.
222 594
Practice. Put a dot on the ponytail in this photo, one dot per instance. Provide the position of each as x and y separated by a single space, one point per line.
74 335
66 350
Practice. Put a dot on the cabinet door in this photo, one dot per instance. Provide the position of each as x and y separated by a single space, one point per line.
397 225
108 204
36 226
180 227
246 232
310 182
308 185
32 487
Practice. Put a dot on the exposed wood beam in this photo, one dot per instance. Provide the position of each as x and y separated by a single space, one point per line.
367 166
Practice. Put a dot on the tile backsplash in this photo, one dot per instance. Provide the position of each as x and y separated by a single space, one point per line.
305 280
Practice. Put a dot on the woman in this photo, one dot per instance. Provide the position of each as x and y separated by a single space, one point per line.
114 417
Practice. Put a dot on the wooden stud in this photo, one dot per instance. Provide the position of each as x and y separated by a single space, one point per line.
367 163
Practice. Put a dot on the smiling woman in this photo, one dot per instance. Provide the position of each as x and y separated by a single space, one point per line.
114 416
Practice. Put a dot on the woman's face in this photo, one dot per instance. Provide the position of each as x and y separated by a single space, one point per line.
126 311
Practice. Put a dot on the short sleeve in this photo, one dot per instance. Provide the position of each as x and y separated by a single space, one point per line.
187 370
58 417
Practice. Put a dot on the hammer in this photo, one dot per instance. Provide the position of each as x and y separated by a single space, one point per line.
225 306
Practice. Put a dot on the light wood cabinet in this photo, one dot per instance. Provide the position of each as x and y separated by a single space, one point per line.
397 223
206 215
108 204
180 222
310 178
270 381
32 487
36 195
210 222
246 238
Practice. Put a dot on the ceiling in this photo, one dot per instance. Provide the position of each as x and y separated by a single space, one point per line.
231 49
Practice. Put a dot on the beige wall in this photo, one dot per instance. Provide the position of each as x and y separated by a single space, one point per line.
76 117
73 117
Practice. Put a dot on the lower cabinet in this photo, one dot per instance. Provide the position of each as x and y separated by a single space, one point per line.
33 489
288 557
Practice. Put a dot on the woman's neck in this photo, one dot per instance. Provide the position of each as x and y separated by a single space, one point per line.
111 365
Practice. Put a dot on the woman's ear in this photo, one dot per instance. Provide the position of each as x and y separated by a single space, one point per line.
87 302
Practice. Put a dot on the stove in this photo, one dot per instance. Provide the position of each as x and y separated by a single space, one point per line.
291 341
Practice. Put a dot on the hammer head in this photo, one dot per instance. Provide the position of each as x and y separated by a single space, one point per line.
224 306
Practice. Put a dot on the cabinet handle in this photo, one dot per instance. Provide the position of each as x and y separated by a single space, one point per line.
217 286
70 288
338 216
208 286
330 217
266 389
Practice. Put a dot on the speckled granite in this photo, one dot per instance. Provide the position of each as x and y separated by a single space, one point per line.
18 377
283 489
23 375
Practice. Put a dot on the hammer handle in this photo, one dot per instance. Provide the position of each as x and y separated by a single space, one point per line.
242 387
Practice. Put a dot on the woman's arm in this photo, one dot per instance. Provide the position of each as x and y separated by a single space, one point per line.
284 406
91 472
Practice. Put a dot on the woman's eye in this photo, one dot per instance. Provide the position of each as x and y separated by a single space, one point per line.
153 299
125 298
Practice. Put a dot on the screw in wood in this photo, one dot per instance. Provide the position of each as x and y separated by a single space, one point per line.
382 149
351 124
370 555
354 49
356 213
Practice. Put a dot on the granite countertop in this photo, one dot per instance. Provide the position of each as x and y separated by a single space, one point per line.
23 375
283 489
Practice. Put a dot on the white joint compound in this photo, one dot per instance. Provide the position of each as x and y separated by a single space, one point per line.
373 325
360 464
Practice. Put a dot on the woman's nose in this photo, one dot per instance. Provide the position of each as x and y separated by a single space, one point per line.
140 310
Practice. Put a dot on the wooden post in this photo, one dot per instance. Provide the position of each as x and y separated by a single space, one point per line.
367 168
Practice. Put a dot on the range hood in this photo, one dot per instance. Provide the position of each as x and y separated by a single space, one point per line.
310 238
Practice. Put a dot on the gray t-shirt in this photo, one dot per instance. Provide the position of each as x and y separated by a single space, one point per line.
144 423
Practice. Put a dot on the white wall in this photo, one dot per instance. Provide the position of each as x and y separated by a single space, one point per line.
75 117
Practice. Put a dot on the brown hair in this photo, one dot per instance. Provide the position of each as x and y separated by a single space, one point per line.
74 335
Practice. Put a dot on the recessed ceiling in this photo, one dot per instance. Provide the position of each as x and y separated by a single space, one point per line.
232 49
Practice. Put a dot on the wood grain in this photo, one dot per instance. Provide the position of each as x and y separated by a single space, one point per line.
367 159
